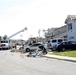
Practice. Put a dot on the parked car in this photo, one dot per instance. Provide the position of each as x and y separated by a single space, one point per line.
35 46
65 46
53 42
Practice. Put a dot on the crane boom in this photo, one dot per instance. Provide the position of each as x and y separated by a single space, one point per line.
17 32
6 44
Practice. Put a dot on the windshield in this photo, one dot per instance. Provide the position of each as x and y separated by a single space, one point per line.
4 41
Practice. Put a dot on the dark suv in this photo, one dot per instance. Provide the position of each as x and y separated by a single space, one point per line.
66 45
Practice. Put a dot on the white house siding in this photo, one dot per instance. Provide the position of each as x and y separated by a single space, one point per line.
71 34
62 35
59 31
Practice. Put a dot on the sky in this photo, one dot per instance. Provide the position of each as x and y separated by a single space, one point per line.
35 15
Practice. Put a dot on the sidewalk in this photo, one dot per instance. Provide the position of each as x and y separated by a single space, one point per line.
71 59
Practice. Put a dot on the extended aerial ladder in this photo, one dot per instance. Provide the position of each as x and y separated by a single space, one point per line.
17 32
8 43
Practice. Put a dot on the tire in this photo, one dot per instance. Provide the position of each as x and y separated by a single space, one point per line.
7 48
63 49
27 50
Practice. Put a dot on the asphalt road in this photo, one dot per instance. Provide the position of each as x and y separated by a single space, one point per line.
19 64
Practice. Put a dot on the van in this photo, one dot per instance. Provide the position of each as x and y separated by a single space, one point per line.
53 42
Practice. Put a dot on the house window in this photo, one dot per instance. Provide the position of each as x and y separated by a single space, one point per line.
70 26
58 31
71 37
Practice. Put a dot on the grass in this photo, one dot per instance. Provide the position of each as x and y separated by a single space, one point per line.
66 53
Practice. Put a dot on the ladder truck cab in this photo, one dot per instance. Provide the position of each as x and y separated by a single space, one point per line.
7 44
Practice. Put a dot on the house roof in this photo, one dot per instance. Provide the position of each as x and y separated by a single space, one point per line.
60 27
72 17
51 30
60 35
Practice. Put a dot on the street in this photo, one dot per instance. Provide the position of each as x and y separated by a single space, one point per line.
12 63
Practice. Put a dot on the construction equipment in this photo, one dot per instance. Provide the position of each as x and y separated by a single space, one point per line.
6 44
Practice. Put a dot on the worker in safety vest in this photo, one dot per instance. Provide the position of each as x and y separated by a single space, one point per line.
15 45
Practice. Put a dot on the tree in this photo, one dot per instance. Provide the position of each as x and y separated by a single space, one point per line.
39 31
4 37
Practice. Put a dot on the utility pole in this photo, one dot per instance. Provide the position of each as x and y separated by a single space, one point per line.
39 32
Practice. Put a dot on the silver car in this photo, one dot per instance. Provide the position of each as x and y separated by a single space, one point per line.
35 46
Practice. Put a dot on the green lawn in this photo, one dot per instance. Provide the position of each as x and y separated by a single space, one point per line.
66 53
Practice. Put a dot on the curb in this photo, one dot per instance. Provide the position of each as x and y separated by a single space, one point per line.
71 59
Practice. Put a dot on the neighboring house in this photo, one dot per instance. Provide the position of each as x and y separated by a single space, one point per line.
57 32
49 33
60 32
71 27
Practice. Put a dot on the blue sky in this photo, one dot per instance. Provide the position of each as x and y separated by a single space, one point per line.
33 14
